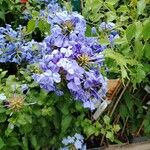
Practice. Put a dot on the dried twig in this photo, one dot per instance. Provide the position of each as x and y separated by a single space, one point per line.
124 126
120 96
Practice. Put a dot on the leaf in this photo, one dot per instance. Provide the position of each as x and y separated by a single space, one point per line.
2 75
88 31
130 32
31 26
138 49
104 41
34 142
120 60
141 6
129 101
2 15
13 141
41 25
139 28
146 30
96 6
65 123
123 8
147 125
110 135
137 74
68 6
111 16
25 143
3 117
2 144
89 130
120 41
106 120
35 14
112 2
124 73
146 50
123 111
116 128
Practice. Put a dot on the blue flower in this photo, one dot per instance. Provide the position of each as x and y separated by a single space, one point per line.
76 58
93 30
77 141
107 26
2 97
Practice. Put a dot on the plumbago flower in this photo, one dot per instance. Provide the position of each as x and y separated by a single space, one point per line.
109 27
73 60
14 47
76 141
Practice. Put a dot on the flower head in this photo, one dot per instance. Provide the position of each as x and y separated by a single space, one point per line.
16 103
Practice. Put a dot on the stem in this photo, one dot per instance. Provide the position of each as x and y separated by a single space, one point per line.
81 5
141 126
124 126
102 140
120 96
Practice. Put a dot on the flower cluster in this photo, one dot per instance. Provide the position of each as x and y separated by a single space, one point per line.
49 12
76 141
2 97
72 60
110 27
14 47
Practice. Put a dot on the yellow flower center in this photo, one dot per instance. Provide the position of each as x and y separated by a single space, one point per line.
68 26
16 103
83 59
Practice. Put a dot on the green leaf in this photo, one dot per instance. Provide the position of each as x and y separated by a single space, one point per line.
65 109
112 2
78 106
123 8
35 14
106 120
31 26
120 41
116 128
137 74
2 75
41 25
110 135
138 49
129 101
88 31
34 142
2 15
146 30
3 117
111 16
139 28
123 111
124 73
65 123
130 32
104 41
2 144
141 6
9 129
68 6
13 141
146 50
147 125
25 143
89 130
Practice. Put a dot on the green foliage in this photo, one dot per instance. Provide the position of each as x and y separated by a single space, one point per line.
38 22
109 130
130 52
